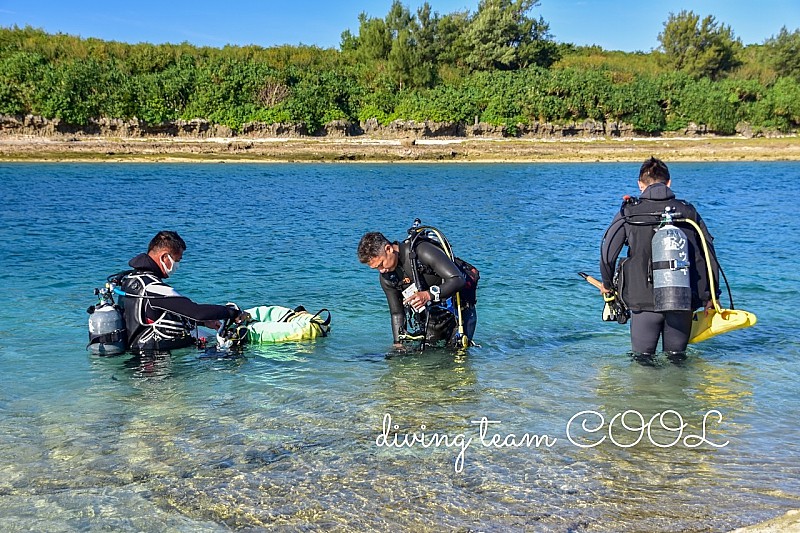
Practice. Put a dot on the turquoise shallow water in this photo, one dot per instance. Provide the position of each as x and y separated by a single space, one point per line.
288 436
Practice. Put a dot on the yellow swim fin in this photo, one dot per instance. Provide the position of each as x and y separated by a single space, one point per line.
707 324
712 322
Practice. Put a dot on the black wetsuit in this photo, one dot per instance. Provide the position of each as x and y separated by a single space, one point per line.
634 226
157 317
435 268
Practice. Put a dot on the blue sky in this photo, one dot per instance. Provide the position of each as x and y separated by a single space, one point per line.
628 25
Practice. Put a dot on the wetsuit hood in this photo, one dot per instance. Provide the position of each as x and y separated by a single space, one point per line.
657 191
144 262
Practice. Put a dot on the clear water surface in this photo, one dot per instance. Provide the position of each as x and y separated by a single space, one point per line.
287 436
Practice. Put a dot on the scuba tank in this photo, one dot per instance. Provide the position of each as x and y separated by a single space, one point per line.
107 332
671 280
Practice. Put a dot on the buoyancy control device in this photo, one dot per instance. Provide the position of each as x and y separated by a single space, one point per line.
444 320
107 332
671 279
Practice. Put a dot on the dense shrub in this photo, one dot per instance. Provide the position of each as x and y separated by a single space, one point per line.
76 80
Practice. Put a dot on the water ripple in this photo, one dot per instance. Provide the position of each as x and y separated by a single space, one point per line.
284 437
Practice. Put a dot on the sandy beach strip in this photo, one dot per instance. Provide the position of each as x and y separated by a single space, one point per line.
364 149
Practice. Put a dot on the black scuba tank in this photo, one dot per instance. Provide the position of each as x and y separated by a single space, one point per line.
671 279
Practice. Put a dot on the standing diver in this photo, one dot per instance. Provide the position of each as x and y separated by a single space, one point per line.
418 275
664 278
157 317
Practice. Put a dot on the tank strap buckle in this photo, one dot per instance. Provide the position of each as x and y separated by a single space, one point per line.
672 264
108 338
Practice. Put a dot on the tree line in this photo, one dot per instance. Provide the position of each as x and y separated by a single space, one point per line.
499 65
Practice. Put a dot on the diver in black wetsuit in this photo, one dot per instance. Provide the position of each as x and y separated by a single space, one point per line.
159 319
439 279
634 226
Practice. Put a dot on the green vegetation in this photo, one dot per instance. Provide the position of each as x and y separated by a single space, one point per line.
700 49
498 65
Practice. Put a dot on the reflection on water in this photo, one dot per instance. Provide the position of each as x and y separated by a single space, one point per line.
285 436
668 468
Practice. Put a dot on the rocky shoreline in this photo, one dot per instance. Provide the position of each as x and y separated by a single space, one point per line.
31 138
398 129
28 148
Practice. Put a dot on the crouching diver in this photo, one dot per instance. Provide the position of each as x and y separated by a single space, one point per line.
157 317
431 293
664 277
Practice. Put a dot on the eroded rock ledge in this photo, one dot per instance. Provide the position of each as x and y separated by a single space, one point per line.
399 129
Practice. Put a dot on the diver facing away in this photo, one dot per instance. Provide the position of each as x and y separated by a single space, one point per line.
664 277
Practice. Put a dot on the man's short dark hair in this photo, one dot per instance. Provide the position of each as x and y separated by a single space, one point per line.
653 171
167 240
371 246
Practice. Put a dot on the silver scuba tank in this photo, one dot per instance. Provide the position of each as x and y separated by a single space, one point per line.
671 280
107 332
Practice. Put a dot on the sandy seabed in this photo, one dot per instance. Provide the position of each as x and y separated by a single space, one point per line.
787 523
312 149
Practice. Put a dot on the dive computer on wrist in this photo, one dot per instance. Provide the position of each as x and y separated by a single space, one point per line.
435 293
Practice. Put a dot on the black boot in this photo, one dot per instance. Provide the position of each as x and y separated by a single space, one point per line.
677 358
644 359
